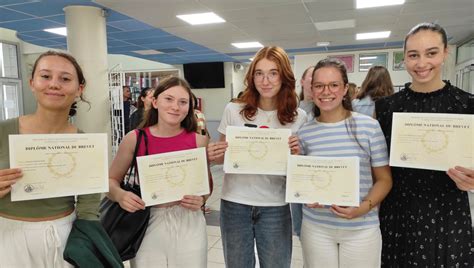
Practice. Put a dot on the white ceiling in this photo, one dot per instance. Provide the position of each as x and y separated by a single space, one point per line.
291 23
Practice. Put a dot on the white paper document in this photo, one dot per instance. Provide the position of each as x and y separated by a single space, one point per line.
432 141
168 177
56 165
256 150
325 180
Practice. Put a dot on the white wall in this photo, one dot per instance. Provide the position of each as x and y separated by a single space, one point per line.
304 61
398 77
238 77
136 64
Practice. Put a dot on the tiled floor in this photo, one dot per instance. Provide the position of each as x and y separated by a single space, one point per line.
215 254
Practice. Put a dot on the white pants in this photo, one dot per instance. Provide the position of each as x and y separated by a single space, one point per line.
176 237
328 248
34 244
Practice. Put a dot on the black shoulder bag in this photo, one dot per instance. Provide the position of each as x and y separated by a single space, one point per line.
126 230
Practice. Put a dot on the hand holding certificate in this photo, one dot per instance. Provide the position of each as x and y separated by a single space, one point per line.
55 165
256 150
325 180
168 177
432 141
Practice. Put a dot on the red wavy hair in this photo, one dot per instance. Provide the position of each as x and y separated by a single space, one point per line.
286 98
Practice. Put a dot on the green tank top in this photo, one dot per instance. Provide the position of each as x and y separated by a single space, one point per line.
86 206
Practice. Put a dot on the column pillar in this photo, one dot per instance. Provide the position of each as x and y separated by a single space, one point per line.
87 42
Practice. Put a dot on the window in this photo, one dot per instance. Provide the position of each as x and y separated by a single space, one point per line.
10 81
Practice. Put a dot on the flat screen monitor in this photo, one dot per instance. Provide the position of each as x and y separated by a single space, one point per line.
205 74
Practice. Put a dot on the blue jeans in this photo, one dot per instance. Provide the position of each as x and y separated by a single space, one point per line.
296 217
269 227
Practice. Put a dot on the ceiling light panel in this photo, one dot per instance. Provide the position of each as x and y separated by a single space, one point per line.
247 45
147 52
332 25
61 31
377 3
373 35
201 18
323 44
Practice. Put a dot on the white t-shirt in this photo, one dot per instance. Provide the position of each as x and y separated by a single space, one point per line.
250 189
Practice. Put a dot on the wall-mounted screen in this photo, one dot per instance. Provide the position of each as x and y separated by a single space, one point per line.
205 74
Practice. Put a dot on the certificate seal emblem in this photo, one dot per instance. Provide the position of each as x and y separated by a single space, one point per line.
236 165
28 188
403 157
154 196
434 141
321 179
258 149
175 176
296 194
61 164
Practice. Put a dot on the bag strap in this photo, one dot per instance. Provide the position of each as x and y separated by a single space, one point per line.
133 164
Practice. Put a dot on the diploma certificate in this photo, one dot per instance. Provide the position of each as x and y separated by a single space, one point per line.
168 177
256 150
432 141
326 180
56 165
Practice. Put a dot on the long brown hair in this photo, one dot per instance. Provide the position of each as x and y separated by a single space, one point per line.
286 98
377 84
350 123
151 116
77 67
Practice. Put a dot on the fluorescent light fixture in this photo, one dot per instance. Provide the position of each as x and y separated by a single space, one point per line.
363 69
201 18
60 31
373 35
365 64
378 3
147 52
333 25
323 44
368 58
247 45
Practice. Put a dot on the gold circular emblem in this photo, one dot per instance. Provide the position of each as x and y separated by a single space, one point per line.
61 164
321 179
258 149
175 176
434 141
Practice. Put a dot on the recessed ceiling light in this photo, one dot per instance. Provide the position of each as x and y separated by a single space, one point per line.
374 35
147 52
201 18
336 24
323 44
368 58
377 3
247 45
60 31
